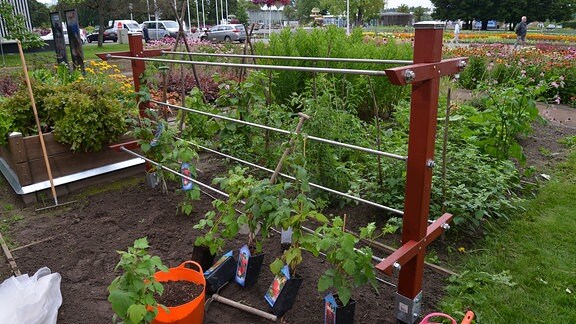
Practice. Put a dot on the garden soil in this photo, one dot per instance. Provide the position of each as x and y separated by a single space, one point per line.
80 242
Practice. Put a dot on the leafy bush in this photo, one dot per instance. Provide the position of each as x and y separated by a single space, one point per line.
132 293
85 111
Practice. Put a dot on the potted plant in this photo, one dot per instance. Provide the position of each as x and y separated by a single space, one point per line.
351 268
133 294
282 292
158 141
261 201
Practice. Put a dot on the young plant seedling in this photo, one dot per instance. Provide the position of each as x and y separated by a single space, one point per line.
132 293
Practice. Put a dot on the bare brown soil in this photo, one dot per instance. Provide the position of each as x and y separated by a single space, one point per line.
80 241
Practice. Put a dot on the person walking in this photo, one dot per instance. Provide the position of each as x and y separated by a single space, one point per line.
456 32
521 29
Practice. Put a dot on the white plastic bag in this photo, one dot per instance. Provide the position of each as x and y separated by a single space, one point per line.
32 300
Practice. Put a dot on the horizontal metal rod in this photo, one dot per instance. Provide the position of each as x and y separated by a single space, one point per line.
390 209
174 172
255 66
296 58
314 138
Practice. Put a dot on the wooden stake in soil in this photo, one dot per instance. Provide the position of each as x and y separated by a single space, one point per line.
33 102
9 257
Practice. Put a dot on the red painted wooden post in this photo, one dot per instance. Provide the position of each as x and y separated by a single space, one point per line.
423 112
424 75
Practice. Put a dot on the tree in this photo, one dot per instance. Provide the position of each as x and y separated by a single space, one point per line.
419 12
39 14
403 8
359 9
15 25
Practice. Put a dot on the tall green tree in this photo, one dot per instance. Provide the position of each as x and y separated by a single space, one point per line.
360 10
39 14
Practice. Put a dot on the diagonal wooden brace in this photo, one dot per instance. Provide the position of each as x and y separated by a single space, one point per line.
408 74
411 248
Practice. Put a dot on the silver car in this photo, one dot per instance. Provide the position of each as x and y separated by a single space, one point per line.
225 33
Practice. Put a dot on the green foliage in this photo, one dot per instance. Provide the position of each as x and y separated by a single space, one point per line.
132 293
351 268
474 73
333 42
86 112
15 25
507 112
261 202
302 209
159 142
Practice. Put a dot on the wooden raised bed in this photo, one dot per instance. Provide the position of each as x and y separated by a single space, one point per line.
27 173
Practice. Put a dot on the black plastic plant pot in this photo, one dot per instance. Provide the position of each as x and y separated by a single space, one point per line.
335 313
202 255
253 269
286 297
220 273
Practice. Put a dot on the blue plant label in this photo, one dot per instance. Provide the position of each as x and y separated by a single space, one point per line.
218 263
243 258
186 183
157 135
277 285
330 306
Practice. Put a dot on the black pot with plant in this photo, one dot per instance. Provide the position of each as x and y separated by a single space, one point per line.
350 268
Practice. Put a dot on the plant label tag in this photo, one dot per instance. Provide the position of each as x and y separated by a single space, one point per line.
242 267
157 135
186 183
330 306
277 285
218 263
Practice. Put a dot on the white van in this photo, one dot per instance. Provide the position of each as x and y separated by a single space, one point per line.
131 25
158 29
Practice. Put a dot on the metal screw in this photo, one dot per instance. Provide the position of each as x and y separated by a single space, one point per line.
409 76
446 226
430 164
462 65
397 266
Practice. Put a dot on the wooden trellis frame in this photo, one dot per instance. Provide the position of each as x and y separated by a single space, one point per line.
424 77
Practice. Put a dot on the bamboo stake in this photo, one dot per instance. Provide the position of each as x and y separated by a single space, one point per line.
33 102
9 257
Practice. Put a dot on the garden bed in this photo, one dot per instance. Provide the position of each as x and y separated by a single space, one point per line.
22 163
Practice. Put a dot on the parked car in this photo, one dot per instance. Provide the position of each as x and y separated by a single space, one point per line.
225 33
159 29
50 36
109 34
131 25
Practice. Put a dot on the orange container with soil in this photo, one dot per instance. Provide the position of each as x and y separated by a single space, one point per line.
191 312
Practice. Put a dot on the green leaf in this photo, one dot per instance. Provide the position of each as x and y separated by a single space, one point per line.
136 313
324 283
276 266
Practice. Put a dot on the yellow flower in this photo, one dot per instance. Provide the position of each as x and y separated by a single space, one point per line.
461 249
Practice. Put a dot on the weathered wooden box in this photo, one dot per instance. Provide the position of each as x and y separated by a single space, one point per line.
22 163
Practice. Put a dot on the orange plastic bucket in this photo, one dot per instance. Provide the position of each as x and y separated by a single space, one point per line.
191 312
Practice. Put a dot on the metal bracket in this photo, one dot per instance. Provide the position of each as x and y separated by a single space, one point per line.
407 310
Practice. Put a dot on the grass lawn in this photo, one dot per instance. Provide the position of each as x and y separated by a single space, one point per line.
525 270
36 59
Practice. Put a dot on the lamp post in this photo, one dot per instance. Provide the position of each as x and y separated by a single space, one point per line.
203 15
347 17
197 15
148 9
130 8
